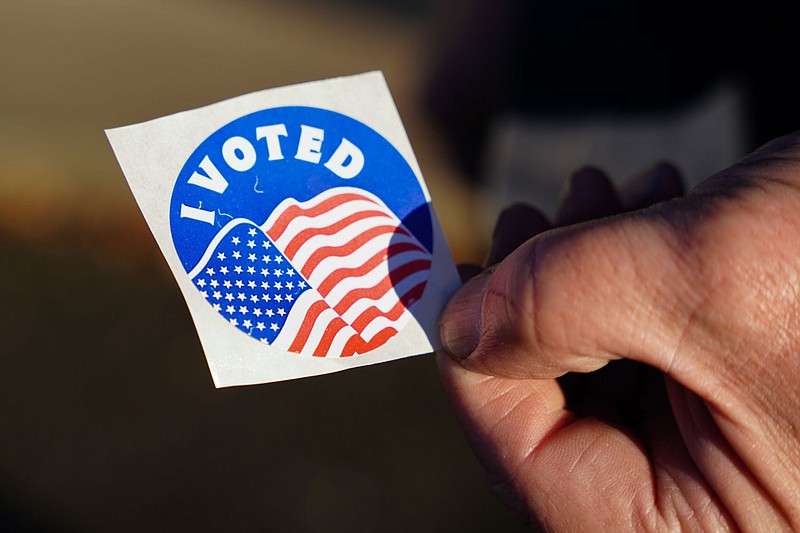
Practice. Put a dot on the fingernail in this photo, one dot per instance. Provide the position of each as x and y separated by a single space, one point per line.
460 326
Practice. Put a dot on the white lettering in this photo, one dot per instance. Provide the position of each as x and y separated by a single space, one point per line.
272 134
197 214
347 161
310 145
213 182
239 154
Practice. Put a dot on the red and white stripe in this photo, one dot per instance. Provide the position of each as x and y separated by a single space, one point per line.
365 269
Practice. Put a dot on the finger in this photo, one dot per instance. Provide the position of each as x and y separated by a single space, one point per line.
673 286
574 299
749 501
542 459
589 195
658 183
523 417
659 286
516 224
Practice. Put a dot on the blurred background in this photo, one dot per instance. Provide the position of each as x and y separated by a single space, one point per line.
108 417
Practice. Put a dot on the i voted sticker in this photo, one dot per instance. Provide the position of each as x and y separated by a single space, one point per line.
304 229
298 227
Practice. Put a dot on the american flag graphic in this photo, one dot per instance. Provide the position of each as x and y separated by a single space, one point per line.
331 277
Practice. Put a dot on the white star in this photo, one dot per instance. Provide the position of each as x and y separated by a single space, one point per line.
236 254
227 284
247 324
217 295
289 272
264 340
230 309
265 297
260 326
278 285
251 270
210 271
251 284
239 283
251 257
265 284
234 321
278 259
204 293
289 284
214 283
217 307
237 269
266 245
257 311
241 296
235 240
302 284
277 272
224 270
251 244
254 299
281 311
274 327
229 296
270 313
266 258
201 282
289 298
264 272
251 231
243 309
221 256
278 298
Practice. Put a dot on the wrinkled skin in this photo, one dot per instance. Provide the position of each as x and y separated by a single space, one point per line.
640 371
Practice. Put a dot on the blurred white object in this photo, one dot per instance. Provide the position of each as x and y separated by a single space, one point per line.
528 158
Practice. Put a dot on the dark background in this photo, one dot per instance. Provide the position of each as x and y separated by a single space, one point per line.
108 417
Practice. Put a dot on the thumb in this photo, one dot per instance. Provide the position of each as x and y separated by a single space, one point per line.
712 277
570 300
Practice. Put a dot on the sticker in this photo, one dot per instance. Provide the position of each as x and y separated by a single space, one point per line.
298 227
304 229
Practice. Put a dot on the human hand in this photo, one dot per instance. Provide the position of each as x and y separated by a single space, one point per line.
678 329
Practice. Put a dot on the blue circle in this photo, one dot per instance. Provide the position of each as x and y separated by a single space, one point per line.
255 192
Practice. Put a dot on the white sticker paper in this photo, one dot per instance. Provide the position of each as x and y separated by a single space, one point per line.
298 227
